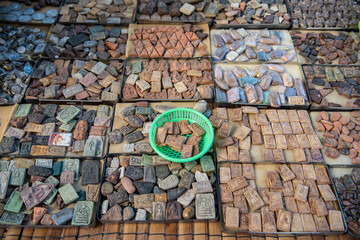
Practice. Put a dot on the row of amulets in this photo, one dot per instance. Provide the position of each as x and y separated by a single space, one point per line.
168 41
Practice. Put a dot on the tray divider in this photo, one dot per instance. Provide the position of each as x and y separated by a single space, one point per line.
318 238
271 238
142 231
53 233
157 231
257 237
171 231
201 231
96 232
291 238
215 232
70 233
185 231
129 231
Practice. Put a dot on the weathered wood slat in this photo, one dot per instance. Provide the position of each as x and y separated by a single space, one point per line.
171 231
53 234
83 233
185 231
13 234
111 231
27 233
157 231
201 231
70 233
96 232
129 231
142 231
215 231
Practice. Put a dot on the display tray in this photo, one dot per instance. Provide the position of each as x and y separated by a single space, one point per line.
52 206
107 29
254 26
313 7
302 60
42 10
328 29
12 82
124 147
150 209
293 69
260 170
334 96
250 150
257 26
342 159
173 22
192 83
62 149
338 171
31 54
286 42
205 27
78 82
129 16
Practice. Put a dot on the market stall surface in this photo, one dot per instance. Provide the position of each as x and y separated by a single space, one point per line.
146 231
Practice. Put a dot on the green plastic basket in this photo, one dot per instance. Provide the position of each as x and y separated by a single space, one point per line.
176 115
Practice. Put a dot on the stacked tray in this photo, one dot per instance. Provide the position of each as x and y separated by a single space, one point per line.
251 14
330 47
76 81
346 182
151 182
250 84
57 131
104 12
151 41
186 79
17 75
250 135
64 192
87 42
242 45
22 46
340 145
38 13
247 188
334 15
26 44
128 138
172 12
333 87
327 58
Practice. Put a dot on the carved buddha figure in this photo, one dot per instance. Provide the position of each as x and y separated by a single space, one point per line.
82 215
158 212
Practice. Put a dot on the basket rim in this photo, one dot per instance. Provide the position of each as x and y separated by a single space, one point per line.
181 160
